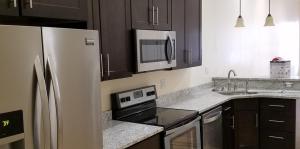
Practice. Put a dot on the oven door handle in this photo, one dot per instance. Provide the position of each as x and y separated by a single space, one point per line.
212 119
184 127
170 56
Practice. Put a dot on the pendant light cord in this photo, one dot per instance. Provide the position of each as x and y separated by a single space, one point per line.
240 7
269 7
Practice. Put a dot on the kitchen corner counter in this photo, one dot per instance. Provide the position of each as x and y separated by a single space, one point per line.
120 135
205 99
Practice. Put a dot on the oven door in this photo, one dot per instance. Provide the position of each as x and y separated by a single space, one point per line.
155 50
184 137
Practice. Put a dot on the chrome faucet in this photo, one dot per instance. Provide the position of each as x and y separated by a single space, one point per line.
229 79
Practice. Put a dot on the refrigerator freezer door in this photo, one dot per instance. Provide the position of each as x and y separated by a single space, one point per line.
73 77
20 88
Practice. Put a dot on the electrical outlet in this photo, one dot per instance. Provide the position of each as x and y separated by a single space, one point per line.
288 84
162 83
206 70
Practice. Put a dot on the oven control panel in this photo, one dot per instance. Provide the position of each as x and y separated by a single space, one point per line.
134 97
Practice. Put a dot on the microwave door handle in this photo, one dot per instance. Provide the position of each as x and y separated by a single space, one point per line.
170 57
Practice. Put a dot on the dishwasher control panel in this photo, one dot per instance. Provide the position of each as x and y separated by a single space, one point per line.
133 97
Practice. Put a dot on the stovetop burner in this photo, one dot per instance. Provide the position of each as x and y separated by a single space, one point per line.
134 110
167 117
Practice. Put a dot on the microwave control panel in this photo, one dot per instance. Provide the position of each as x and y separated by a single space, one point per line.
11 123
134 97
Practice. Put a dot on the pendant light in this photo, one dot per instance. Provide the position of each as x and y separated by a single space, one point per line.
240 20
269 19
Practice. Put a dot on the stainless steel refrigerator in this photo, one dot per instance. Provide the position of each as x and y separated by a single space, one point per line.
49 88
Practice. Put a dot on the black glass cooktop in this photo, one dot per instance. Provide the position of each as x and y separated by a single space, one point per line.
165 117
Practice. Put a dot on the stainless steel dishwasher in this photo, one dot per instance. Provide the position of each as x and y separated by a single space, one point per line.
212 129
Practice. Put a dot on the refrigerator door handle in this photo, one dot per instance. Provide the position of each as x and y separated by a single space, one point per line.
56 90
41 121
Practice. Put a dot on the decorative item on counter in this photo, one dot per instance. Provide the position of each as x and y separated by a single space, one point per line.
280 68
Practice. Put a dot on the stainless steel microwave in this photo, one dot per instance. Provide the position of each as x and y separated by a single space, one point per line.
155 50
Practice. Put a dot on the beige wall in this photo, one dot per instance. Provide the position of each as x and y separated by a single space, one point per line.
247 50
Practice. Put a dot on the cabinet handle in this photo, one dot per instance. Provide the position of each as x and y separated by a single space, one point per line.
101 65
14 3
108 65
29 2
233 121
275 137
277 106
157 14
153 14
191 57
228 108
276 121
256 120
187 56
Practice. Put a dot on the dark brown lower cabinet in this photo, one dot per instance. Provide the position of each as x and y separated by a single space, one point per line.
150 143
272 139
228 126
263 123
277 123
246 124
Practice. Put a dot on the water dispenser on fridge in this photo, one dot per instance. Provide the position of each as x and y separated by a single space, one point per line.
12 130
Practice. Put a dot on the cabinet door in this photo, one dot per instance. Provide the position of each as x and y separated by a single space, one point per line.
9 7
277 140
193 31
150 143
115 35
246 130
58 9
246 124
162 14
228 126
178 25
142 14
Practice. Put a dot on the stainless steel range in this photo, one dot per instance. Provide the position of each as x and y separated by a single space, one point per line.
181 127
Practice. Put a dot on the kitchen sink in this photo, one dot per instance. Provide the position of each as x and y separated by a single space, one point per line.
237 92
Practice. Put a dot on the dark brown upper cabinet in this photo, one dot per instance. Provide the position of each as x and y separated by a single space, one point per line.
58 9
193 31
187 22
151 14
9 7
116 52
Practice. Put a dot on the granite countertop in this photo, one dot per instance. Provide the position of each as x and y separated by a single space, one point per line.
120 135
206 99
293 78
